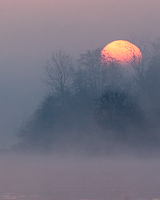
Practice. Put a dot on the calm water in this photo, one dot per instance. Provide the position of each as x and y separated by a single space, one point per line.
61 178
76 194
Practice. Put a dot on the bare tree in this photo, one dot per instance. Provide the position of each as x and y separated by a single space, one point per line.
139 62
90 67
59 72
138 65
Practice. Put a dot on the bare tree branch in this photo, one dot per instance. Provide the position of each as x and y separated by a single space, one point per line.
59 72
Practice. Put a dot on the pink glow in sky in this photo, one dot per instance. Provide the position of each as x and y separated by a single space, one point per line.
31 30
46 25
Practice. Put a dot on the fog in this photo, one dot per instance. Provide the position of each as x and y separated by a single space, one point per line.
32 30
76 177
93 135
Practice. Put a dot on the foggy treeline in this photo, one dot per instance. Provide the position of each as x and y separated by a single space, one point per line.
97 108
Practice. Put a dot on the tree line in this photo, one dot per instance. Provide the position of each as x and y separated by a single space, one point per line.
93 107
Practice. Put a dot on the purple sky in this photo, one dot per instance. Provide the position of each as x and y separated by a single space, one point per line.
31 30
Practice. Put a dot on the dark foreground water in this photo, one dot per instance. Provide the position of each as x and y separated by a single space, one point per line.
75 178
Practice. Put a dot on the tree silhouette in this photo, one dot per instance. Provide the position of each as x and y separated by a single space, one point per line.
117 111
59 73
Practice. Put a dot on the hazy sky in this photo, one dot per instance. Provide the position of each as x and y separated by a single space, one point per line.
31 30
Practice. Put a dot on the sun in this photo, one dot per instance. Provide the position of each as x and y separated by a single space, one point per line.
122 52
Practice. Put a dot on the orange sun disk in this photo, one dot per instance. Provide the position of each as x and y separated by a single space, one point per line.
121 51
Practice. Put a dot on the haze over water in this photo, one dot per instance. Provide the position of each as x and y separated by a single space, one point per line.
31 31
67 178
